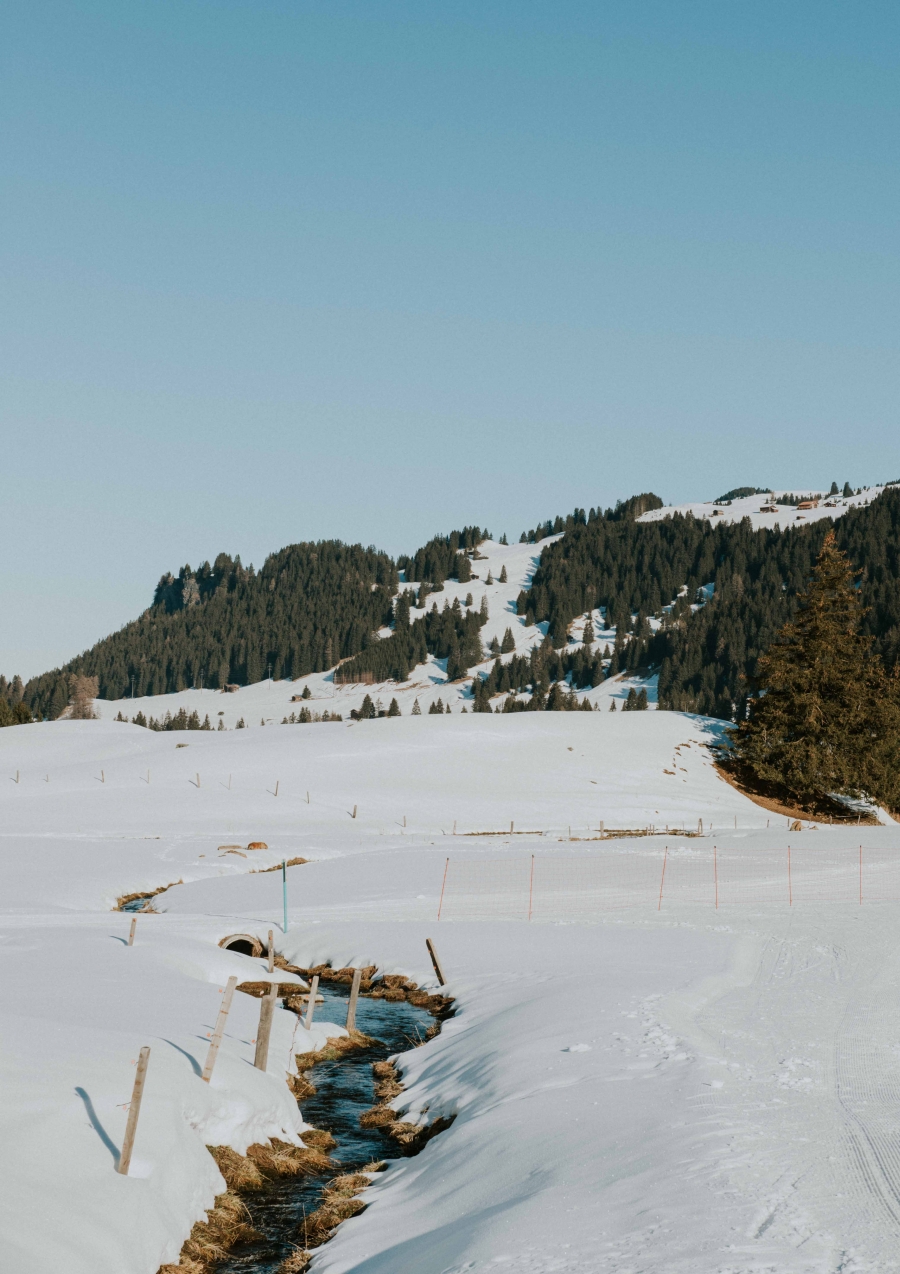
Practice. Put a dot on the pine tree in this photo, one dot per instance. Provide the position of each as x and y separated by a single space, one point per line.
834 489
631 701
416 710
508 643
641 702
494 647
588 635
828 718
221 725
469 599
240 725
848 490
307 693
612 705
503 575
394 709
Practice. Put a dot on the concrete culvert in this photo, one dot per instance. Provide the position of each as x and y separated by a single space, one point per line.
243 944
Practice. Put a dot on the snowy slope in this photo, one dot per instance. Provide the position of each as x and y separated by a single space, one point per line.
673 1089
269 702
783 515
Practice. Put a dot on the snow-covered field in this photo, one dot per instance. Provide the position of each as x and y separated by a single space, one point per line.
681 1089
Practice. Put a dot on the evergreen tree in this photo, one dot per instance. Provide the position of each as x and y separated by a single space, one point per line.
848 490
631 701
503 575
240 725
490 578
307 693
221 725
587 635
612 705
504 540
641 701
416 710
828 718
494 647
834 489
468 599
508 643
394 709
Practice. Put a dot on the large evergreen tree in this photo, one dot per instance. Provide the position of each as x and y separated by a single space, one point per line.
826 718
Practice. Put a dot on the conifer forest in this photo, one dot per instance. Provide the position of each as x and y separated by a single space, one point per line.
718 594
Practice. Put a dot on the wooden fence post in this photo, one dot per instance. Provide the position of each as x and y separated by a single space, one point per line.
219 1031
354 996
354 812
271 952
131 934
134 1109
266 1015
435 961
311 1002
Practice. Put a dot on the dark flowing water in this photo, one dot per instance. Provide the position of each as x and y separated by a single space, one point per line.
136 904
344 1090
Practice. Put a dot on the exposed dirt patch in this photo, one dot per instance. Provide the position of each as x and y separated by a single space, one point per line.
770 797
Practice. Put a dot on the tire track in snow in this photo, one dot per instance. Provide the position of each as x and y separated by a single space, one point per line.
867 1089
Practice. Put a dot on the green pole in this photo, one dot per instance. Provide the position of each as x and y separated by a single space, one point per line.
284 889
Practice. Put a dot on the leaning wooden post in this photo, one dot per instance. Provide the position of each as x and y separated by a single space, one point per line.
266 1015
436 962
311 1002
219 1031
354 996
284 890
131 934
271 952
134 1109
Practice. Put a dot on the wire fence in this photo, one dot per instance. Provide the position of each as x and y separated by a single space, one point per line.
563 887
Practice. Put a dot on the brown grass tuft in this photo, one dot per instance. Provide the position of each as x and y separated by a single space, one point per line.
239 1171
291 862
301 1087
318 1138
211 1240
281 1159
378 1117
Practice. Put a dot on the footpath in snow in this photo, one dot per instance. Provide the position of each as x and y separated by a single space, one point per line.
661 1088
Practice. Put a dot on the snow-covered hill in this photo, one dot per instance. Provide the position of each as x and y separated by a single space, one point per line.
769 511
270 702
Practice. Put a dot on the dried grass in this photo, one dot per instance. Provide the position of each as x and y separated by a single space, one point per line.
211 1240
147 893
301 1087
291 862
318 1138
281 1159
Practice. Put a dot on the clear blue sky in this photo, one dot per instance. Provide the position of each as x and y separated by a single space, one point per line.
276 270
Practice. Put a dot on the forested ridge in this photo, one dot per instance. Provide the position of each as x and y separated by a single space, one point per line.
707 658
313 605
308 607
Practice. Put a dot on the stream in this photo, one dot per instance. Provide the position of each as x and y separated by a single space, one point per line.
344 1090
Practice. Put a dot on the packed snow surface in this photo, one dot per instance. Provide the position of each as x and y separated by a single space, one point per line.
658 1088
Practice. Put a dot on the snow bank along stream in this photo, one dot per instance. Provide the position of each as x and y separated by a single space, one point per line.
345 1089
